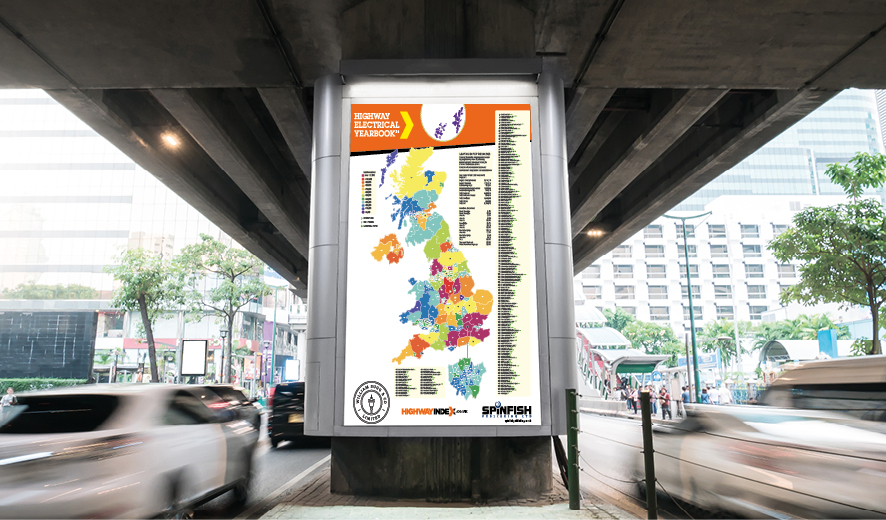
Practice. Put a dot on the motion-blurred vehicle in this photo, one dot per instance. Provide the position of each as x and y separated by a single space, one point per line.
234 398
855 386
772 462
120 451
286 420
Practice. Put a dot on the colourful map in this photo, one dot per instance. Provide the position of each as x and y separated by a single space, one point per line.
447 306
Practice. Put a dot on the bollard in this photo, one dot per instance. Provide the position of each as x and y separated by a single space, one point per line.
648 456
572 447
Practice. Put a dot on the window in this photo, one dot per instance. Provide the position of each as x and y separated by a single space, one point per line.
58 413
696 291
690 231
778 229
630 310
716 230
622 252
691 249
696 312
658 292
750 231
659 313
184 408
656 271
624 292
756 292
654 251
749 250
593 292
623 271
757 311
592 271
719 251
652 232
693 270
725 312
721 270
753 270
722 292
786 271
862 400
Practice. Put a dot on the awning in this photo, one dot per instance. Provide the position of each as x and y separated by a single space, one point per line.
629 361
798 349
604 337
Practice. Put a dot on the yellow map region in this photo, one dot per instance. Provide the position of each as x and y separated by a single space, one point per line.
411 178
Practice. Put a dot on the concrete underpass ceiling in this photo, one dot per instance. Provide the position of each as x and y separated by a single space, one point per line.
661 96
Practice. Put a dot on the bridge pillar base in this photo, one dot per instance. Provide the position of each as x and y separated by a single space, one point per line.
442 469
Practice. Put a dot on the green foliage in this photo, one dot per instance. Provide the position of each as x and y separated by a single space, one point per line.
31 384
861 347
721 334
804 326
32 291
654 339
618 319
842 247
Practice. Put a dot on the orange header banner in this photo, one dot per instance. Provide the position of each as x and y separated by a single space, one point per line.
382 127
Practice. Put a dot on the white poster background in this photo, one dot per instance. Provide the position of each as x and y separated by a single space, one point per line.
194 357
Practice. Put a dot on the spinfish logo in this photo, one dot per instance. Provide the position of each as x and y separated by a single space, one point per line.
499 411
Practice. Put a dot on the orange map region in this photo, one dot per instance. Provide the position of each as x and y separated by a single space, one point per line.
388 247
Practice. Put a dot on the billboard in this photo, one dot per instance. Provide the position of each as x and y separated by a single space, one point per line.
194 352
441 309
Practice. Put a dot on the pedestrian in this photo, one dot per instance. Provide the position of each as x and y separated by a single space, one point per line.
665 399
9 399
725 395
714 394
653 400
705 396
635 400
684 398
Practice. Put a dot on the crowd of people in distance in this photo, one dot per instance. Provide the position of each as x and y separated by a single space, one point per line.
661 398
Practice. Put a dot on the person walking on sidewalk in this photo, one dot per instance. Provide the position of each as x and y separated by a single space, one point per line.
665 399
681 405
635 400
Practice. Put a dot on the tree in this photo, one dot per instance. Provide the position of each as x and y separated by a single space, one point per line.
618 319
223 280
842 247
803 327
721 335
32 291
148 285
654 339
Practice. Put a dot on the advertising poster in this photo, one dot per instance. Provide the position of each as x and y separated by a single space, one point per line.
441 322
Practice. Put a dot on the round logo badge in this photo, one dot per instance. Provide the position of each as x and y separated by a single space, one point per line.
372 402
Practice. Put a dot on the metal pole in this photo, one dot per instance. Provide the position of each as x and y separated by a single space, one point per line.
688 373
572 448
691 312
648 457
274 339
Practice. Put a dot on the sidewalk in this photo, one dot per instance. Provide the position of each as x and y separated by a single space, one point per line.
314 501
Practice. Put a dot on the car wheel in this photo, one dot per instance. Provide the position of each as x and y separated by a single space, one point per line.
241 490
274 442
176 508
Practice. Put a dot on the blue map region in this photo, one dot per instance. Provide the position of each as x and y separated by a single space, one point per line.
465 377
389 160
404 208
424 312
430 175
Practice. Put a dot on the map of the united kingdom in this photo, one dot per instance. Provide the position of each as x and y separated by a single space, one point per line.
447 306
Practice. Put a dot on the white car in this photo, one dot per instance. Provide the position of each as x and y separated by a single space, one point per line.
120 451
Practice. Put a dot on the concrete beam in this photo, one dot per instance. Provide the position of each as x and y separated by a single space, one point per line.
187 171
583 111
600 188
288 111
221 133
715 144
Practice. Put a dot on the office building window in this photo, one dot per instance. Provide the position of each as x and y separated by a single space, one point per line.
690 231
720 270
693 270
696 291
722 292
691 249
621 252
654 251
653 231
630 310
750 231
719 251
593 292
696 311
725 312
751 250
624 292
658 292
717 230
778 229
787 271
656 271
659 313
623 271
757 312
592 271
756 292
753 270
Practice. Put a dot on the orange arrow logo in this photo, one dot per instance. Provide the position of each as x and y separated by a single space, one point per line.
408 121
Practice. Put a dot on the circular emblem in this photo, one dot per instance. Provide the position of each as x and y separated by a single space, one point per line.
498 404
443 122
372 402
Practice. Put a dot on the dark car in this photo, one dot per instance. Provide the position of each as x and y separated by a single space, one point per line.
232 398
286 421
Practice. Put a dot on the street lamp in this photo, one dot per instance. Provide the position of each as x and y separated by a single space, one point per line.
691 310
223 332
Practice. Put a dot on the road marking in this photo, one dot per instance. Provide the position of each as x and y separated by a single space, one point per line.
282 489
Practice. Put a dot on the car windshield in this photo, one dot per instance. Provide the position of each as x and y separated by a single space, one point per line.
58 414
229 394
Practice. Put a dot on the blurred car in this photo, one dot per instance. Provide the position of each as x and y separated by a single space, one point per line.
286 420
120 451
234 398
854 386
772 462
